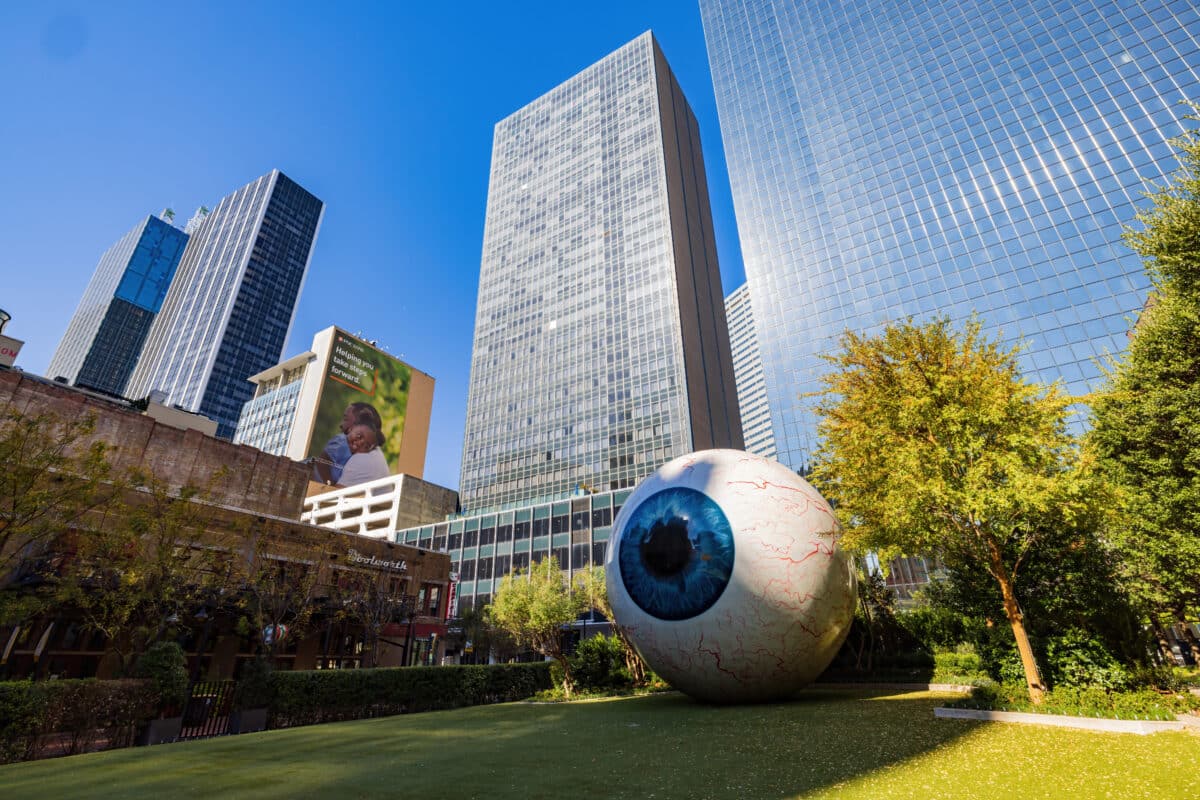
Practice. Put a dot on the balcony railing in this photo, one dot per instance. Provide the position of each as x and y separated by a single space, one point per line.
370 509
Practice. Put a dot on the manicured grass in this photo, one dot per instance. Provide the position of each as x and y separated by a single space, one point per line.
827 743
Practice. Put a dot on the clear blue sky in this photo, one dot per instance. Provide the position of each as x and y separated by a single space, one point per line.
111 111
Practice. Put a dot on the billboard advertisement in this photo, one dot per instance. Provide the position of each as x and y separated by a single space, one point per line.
358 427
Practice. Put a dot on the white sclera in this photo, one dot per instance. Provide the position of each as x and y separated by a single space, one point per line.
790 600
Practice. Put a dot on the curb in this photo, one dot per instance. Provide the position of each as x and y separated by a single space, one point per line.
900 687
1140 727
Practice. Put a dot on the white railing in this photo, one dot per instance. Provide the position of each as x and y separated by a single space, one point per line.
370 509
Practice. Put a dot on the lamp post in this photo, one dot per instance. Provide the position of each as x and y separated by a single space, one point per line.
408 612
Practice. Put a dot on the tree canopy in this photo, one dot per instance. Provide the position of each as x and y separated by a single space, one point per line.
534 605
932 443
1146 426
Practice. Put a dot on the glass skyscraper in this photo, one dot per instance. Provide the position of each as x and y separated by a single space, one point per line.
895 158
109 328
601 348
230 308
748 374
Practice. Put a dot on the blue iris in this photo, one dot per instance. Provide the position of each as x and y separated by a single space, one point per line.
676 554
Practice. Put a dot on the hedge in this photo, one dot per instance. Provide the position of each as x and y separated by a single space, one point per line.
1091 701
64 717
311 697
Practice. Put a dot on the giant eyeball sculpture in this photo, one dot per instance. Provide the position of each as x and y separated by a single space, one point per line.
725 573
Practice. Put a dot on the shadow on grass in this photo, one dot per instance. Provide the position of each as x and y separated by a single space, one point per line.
659 745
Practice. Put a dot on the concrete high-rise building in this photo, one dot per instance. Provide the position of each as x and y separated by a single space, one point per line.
229 311
748 374
601 348
895 158
284 416
105 336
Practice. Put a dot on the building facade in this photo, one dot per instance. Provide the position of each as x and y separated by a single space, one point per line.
601 348
105 336
893 158
483 548
229 311
248 510
748 374
298 404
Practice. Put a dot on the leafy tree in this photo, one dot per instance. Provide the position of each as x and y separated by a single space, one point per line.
932 443
1146 426
280 581
54 477
593 585
373 599
534 606
154 560
473 628
876 636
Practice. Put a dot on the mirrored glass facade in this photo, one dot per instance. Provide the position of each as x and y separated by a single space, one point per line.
600 345
229 311
895 158
105 336
748 374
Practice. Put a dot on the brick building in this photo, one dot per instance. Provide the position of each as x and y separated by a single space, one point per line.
365 600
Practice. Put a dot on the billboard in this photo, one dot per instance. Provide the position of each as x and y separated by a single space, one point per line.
358 427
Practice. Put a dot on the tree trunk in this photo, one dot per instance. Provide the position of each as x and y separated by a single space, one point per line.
1165 656
1191 640
568 681
1012 610
633 661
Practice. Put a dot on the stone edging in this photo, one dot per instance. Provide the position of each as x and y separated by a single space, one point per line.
899 687
1137 726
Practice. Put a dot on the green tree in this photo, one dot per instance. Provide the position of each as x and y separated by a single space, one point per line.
280 583
534 606
155 558
594 586
373 599
933 444
54 477
1146 423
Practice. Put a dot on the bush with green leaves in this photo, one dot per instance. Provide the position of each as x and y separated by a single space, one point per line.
599 663
166 666
64 717
315 696
935 626
1076 658
1082 701
254 687
958 667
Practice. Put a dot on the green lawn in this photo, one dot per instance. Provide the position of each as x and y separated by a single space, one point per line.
827 743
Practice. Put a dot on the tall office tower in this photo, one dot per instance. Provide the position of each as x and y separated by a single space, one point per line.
106 335
601 349
748 374
229 311
901 157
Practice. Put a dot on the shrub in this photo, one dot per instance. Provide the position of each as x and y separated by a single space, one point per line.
309 697
255 688
64 717
1082 701
934 626
599 663
165 665
959 667
1077 658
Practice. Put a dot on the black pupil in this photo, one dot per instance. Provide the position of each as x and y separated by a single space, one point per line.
667 549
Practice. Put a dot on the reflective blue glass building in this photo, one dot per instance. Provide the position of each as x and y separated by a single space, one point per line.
109 328
895 158
229 311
